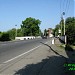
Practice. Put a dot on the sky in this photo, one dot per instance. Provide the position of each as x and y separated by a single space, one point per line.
13 12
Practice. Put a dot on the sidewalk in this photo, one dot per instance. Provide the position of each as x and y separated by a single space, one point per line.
42 61
55 65
70 58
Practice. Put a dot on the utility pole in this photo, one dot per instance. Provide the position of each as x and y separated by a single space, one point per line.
61 25
64 26
64 21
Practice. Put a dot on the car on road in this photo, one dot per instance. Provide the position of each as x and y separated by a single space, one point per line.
44 37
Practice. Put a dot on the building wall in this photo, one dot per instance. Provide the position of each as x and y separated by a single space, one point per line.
50 32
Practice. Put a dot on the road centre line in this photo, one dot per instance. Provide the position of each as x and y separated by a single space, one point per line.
22 54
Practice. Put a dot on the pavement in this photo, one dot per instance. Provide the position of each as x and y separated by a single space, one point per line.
45 60
9 50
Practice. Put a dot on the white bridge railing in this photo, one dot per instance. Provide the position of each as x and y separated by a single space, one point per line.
25 38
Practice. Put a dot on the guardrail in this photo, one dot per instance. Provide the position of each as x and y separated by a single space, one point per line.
25 38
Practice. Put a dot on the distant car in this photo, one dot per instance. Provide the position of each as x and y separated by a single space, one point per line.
44 37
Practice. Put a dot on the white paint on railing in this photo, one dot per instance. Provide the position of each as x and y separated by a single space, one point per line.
25 38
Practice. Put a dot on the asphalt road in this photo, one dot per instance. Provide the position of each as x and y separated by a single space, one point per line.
9 50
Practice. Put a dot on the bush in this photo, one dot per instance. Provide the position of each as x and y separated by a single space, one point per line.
5 37
68 48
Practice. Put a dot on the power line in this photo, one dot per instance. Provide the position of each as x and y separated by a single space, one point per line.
60 6
64 6
67 7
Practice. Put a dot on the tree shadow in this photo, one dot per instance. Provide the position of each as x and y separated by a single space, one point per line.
49 66
62 41
53 65
71 58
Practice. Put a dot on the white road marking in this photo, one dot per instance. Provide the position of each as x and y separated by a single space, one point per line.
21 54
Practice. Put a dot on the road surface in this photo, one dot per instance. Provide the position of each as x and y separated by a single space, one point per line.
9 50
42 61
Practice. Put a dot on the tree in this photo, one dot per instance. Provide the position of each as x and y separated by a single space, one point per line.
0 33
45 32
5 37
30 27
56 30
12 33
70 30
19 32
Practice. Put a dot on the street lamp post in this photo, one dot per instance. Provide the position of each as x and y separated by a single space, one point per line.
61 25
16 31
64 26
64 21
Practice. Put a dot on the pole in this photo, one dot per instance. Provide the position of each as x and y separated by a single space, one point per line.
16 31
61 25
64 21
64 26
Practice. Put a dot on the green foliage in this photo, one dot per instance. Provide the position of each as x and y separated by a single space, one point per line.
68 47
5 37
30 26
0 34
70 30
12 33
19 32
55 31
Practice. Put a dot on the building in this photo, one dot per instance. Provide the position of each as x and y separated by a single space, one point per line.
50 32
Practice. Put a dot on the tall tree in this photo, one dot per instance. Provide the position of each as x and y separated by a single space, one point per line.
30 27
70 29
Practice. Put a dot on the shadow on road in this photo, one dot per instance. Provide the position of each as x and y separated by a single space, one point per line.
71 59
49 66
53 65
70 63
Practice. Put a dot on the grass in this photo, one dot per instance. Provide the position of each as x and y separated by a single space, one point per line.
73 47
68 46
61 46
